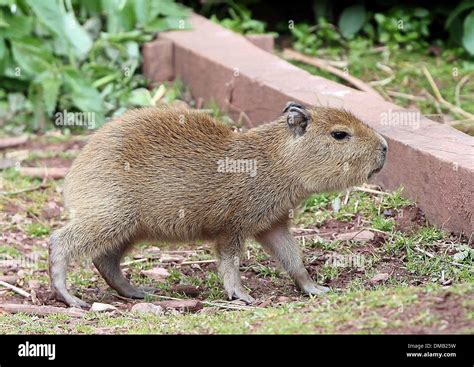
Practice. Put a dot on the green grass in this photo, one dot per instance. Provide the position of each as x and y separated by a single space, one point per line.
375 311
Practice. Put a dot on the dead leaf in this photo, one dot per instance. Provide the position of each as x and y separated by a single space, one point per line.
184 305
364 235
167 258
10 279
13 142
7 163
188 290
157 273
34 284
51 210
379 278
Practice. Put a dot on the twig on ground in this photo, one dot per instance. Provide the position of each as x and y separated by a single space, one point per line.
44 172
221 304
13 142
440 98
432 256
385 81
324 65
410 97
42 185
455 122
433 100
457 90
20 291
131 262
371 191
41 310
198 262
346 198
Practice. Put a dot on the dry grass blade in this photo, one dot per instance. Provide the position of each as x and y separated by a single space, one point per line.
41 310
324 65
410 97
42 185
440 98
430 255
20 291
221 304
457 90
371 191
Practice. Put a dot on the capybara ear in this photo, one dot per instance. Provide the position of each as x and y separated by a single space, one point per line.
297 118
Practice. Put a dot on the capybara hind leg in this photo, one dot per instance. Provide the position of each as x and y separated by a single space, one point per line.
59 256
108 266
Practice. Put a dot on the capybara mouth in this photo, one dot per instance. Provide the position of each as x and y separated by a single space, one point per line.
377 170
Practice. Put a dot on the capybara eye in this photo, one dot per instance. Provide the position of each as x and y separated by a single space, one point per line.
339 135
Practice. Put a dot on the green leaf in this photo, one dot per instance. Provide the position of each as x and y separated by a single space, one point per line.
140 97
17 26
465 5
421 12
16 101
85 97
166 24
170 8
456 31
31 56
3 51
143 12
351 21
62 23
50 83
120 15
468 36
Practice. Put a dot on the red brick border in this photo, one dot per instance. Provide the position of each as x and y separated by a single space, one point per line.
434 162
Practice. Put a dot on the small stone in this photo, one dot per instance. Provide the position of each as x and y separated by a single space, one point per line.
102 307
147 308
166 258
34 284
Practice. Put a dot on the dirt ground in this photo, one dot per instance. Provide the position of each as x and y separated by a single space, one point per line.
27 219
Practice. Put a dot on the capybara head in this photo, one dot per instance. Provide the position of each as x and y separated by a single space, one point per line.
333 148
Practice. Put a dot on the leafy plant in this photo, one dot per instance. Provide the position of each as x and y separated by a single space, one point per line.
308 39
403 27
240 20
352 20
462 29
76 56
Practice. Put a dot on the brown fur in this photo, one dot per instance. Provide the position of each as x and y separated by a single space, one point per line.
152 174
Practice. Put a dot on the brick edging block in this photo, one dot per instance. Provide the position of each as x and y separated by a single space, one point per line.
433 162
